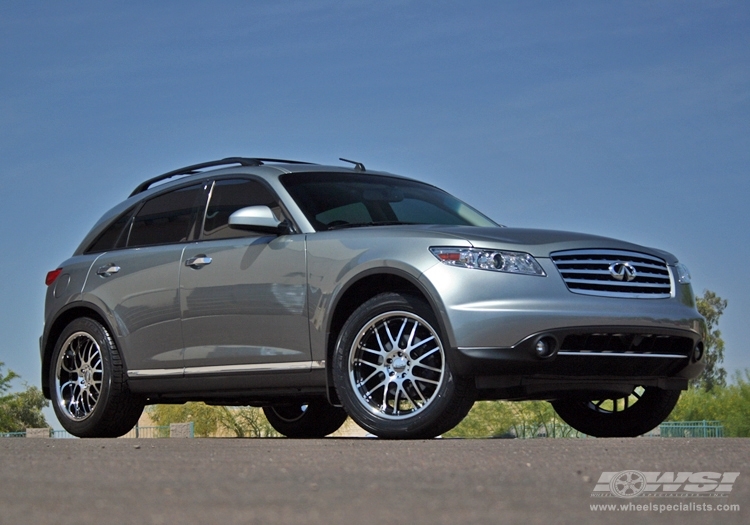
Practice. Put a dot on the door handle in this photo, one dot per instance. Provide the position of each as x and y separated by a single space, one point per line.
198 262
108 270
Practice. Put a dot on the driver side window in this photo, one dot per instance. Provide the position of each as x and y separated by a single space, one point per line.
228 196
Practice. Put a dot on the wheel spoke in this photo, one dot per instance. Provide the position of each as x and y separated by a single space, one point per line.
419 392
64 363
395 399
363 362
384 382
410 340
384 402
400 333
95 387
66 385
365 380
426 354
77 358
411 400
96 362
430 368
394 342
376 352
619 404
409 370
80 375
85 353
90 399
422 342
383 349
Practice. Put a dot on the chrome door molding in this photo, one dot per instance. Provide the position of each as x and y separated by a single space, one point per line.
296 366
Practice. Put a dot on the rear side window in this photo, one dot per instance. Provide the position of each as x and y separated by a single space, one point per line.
227 197
113 237
167 218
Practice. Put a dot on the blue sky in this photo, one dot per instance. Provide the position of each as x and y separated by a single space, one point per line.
625 119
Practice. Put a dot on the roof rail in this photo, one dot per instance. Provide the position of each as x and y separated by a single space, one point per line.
195 168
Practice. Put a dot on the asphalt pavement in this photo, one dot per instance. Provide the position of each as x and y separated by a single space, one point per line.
367 481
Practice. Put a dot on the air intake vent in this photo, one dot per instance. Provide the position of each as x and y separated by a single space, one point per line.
614 273
626 345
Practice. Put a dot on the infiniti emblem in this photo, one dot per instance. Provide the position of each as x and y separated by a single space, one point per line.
622 271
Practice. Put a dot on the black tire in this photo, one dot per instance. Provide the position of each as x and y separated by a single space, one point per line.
392 374
625 416
88 383
314 419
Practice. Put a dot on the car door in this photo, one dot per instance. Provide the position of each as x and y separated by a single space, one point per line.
243 293
138 284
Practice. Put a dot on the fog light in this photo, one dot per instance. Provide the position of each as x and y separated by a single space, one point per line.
545 347
698 352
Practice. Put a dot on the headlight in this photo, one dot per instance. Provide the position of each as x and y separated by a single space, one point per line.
493 260
682 273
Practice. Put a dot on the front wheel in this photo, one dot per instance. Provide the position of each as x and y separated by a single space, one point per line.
88 383
314 419
392 374
625 416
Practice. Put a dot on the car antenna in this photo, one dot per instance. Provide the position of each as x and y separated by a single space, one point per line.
357 165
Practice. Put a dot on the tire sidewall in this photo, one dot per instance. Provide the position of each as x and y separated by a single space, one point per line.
319 420
644 415
101 336
421 422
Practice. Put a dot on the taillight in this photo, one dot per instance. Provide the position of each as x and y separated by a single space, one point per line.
52 276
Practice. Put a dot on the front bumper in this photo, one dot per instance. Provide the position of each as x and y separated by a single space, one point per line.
493 322
584 359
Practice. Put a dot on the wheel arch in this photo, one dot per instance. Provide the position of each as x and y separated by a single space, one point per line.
63 319
365 286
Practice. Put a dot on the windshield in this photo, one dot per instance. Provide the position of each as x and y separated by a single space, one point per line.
338 200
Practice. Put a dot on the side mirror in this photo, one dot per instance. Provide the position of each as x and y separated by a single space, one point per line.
260 219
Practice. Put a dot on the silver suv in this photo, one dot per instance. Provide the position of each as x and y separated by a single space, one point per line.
319 292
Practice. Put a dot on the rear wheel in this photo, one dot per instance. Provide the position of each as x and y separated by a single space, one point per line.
618 416
314 419
88 384
392 374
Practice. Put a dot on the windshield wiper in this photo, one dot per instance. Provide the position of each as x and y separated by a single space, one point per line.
366 224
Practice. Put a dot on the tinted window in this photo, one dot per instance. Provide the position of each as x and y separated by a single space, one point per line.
114 236
335 200
168 218
418 211
346 214
227 197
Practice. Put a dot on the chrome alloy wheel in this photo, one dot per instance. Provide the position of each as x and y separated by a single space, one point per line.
397 365
79 375
289 413
614 405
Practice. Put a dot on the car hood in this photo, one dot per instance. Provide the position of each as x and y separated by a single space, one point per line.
540 243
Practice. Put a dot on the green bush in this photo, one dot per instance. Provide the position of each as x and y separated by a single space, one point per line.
523 419
728 404
20 410
210 420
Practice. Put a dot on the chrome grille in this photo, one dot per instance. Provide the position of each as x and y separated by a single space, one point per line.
594 272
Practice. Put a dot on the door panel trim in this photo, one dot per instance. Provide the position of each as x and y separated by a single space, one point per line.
301 366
